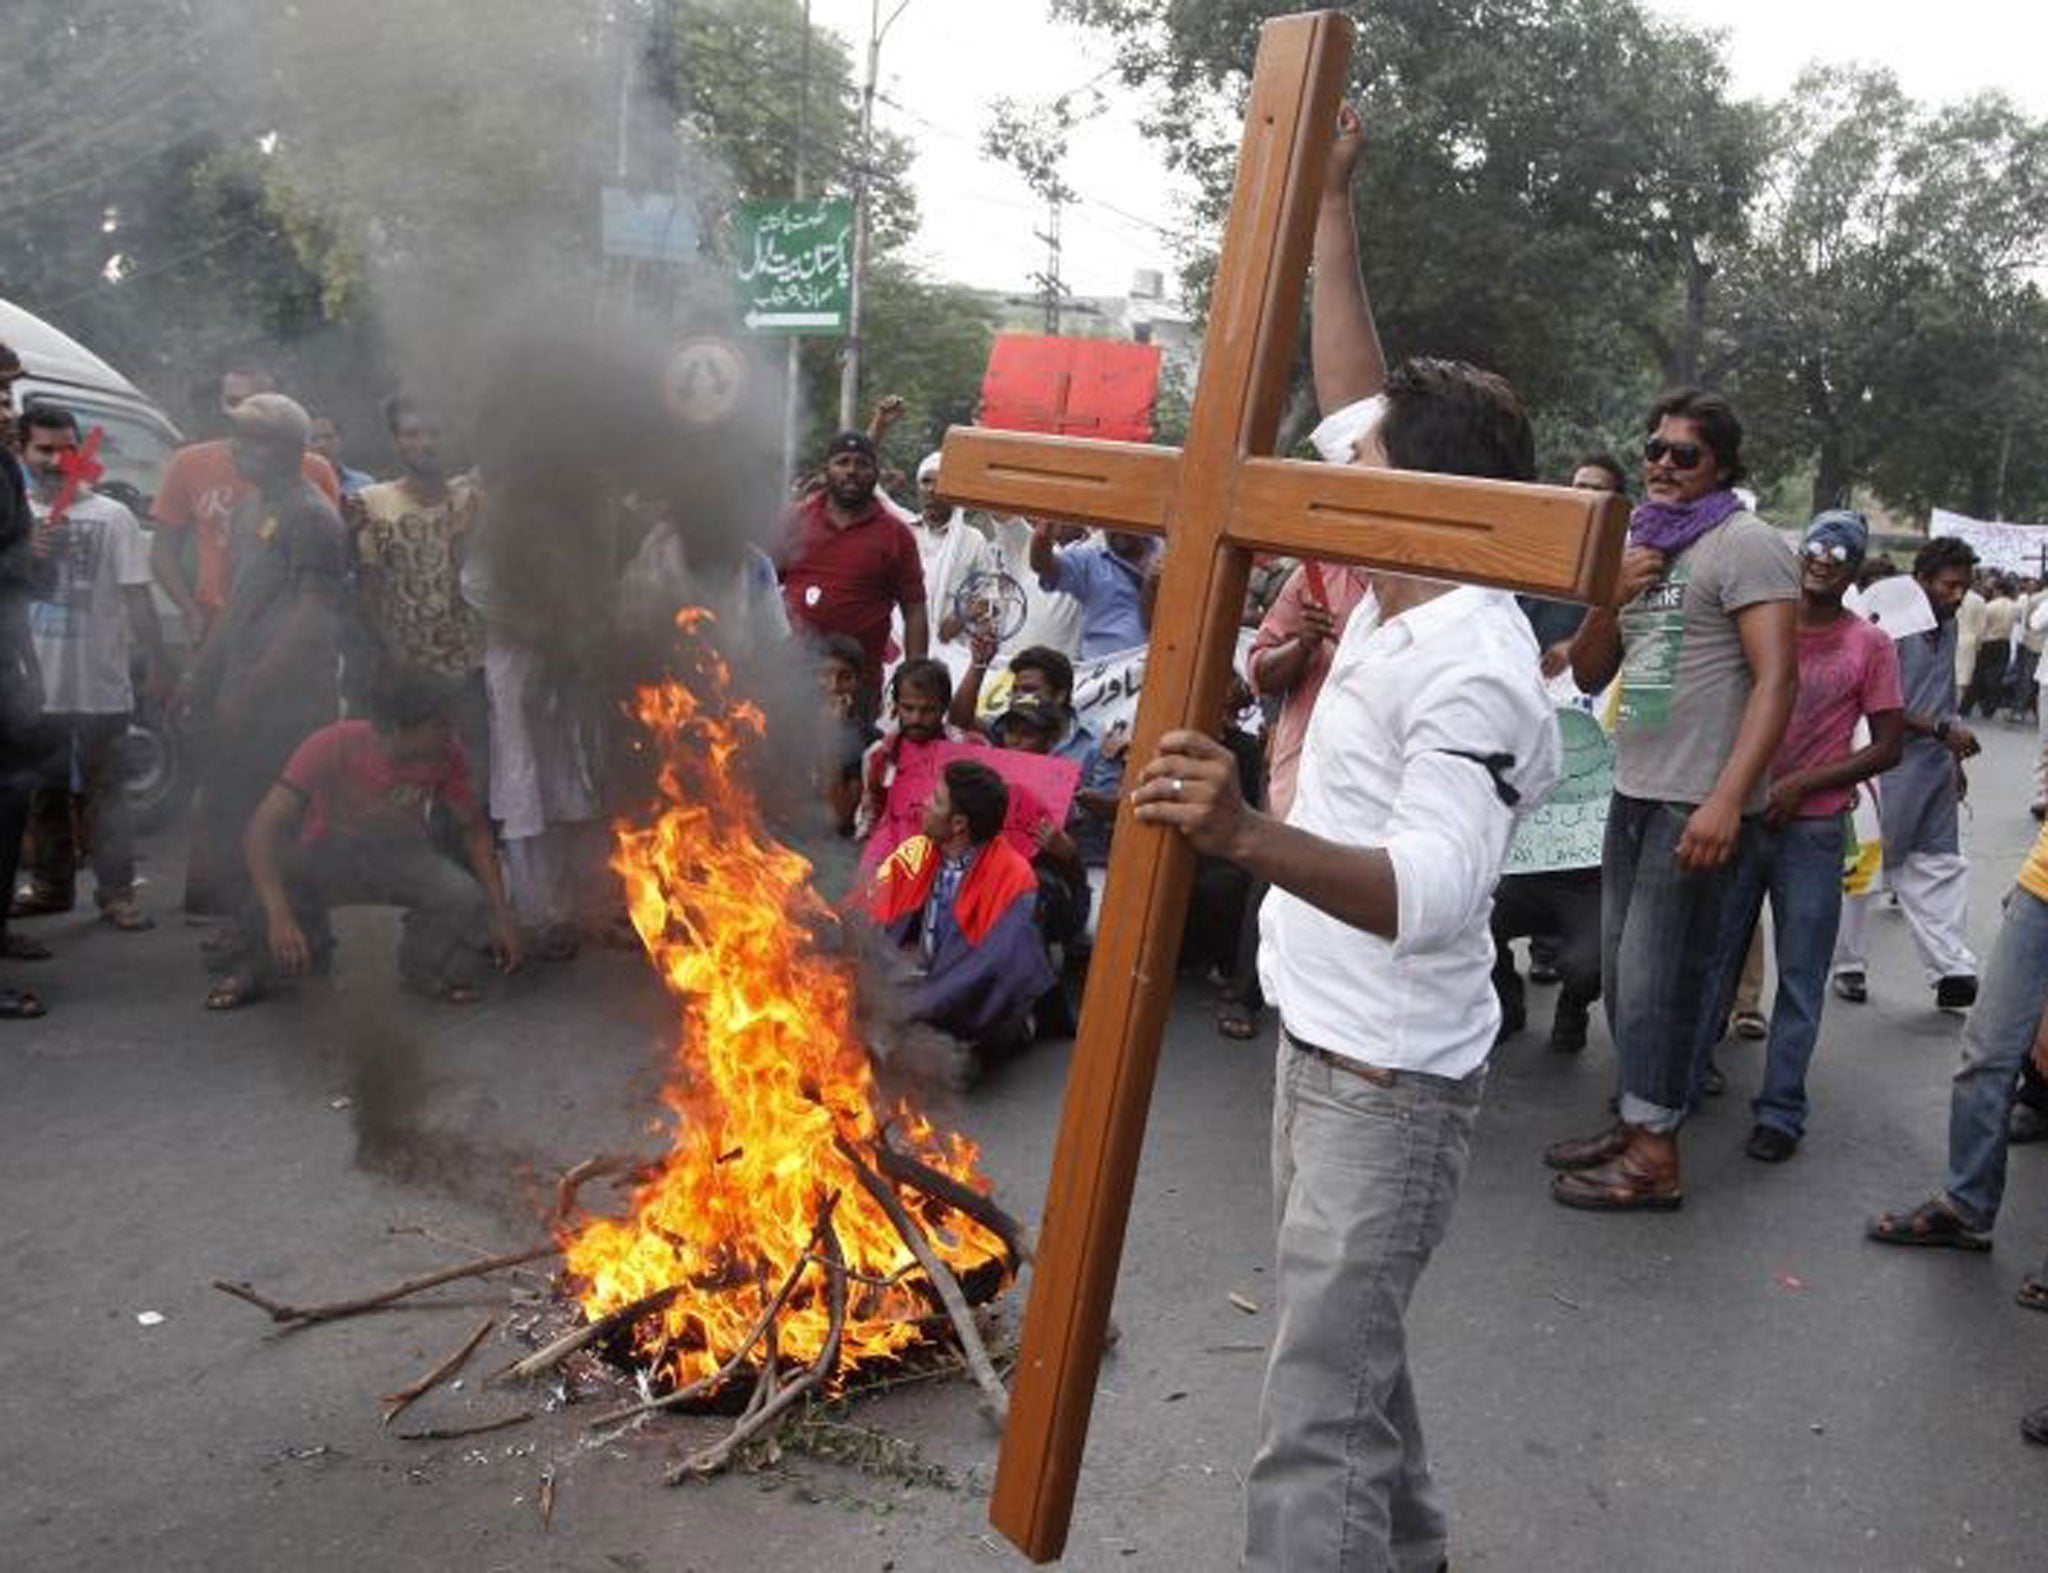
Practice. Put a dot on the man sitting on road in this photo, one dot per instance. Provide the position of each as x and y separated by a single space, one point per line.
961 905
351 822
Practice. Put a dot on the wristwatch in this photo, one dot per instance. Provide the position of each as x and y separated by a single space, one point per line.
1941 730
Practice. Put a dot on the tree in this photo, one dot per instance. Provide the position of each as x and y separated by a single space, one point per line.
1885 315
1549 185
930 346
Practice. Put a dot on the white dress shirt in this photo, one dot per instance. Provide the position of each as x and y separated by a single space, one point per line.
1425 727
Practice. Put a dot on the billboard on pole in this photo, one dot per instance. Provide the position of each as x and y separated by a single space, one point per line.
794 265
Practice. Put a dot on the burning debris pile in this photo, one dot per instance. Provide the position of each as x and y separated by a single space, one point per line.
795 1236
790 1221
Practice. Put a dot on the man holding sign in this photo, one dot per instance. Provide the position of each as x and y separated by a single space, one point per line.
961 905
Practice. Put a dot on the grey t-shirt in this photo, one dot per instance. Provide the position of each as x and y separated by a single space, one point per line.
1684 679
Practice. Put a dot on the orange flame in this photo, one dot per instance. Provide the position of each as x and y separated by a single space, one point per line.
768 1071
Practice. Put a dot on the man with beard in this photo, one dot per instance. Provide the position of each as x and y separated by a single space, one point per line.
1702 632
847 563
412 536
953 553
1919 798
266 678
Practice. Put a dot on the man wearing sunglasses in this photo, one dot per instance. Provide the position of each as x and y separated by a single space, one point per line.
1701 634
1848 672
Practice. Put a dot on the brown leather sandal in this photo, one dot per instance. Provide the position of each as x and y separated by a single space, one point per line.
1930 1225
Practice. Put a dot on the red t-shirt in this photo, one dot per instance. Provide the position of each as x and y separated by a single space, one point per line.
200 490
1848 669
352 787
847 580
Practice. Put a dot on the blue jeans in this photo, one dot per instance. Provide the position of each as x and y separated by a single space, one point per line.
1799 867
1660 936
1995 1045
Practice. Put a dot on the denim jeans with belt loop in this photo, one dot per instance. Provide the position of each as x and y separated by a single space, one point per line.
1661 933
1366 1169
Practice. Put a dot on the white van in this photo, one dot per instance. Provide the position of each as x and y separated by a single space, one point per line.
139 438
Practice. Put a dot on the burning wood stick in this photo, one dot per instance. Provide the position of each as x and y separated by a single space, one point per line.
718 1378
901 1167
395 1403
623 1169
943 1283
547 1358
719 1454
453 1433
304 1314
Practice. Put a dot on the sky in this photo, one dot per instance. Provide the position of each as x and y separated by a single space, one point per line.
944 63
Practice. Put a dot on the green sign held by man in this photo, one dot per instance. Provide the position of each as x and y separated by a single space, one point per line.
795 265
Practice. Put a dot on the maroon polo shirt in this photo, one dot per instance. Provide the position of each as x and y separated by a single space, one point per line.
848 579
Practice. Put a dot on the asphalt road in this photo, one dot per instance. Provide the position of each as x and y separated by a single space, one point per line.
1746 1383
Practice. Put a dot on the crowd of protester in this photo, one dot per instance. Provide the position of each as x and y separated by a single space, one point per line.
370 726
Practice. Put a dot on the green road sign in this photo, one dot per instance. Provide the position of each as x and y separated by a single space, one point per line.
795 265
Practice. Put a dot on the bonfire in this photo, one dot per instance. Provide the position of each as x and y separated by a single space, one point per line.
797 1233
790 1202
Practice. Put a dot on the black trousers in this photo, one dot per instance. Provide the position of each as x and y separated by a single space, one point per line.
1564 905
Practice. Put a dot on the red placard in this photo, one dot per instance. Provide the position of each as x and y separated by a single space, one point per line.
1071 387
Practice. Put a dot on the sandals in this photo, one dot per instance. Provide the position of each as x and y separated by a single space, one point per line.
233 992
2033 1290
444 991
1931 1225
125 914
40 904
1236 1019
21 1005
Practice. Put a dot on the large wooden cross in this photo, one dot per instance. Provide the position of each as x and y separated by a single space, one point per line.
1218 499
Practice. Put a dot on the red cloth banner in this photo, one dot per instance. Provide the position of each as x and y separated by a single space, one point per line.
1071 387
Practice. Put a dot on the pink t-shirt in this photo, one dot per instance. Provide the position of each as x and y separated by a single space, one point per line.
1847 670
1345 588
901 776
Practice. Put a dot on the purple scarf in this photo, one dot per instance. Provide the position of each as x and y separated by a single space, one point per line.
1671 527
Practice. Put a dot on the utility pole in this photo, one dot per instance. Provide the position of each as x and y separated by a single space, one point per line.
1051 286
792 399
863 194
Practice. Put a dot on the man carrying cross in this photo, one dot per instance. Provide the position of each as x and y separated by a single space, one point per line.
1431 734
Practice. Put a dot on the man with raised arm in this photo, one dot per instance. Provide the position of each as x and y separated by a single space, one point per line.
1433 732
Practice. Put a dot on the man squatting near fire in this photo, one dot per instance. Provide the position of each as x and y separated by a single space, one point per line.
1432 733
362 815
